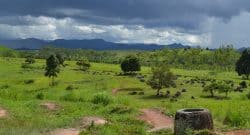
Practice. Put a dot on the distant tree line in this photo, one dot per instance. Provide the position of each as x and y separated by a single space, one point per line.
223 58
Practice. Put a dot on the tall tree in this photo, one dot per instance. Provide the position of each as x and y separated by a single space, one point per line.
162 78
60 58
243 64
130 65
52 68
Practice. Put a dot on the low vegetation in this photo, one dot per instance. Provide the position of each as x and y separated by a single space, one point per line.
118 93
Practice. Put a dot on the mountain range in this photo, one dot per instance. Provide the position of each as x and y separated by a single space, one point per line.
94 44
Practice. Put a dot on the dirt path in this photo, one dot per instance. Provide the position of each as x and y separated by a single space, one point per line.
156 119
3 113
238 132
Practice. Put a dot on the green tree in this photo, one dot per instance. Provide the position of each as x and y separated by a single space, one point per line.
211 88
162 78
130 65
52 68
220 87
83 64
60 59
243 64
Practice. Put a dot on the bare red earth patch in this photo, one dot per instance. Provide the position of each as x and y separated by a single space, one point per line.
156 119
238 132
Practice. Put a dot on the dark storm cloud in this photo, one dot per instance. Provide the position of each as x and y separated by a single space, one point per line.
187 14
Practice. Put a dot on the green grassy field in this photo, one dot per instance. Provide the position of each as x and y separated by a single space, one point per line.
26 116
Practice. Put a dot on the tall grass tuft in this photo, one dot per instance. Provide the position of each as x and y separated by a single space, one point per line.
102 98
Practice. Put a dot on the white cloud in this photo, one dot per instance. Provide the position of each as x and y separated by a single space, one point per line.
67 28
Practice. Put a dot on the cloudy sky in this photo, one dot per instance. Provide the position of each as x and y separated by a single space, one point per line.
195 22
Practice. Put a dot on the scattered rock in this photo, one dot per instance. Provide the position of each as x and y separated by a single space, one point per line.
3 113
184 90
177 94
88 121
115 91
50 106
133 93
156 119
70 131
141 93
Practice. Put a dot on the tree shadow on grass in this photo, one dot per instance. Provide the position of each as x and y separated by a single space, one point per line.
154 97
216 97
131 89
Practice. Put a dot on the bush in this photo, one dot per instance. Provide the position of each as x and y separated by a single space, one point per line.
72 97
6 86
121 109
30 60
102 98
30 81
248 95
71 87
26 65
243 84
40 96
83 64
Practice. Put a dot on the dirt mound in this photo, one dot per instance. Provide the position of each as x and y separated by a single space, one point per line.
156 119
3 113
50 106
238 132
87 121
70 131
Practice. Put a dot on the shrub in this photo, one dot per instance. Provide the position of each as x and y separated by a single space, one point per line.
72 97
30 60
83 64
243 84
6 86
26 65
71 87
30 81
40 96
248 95
102 98
120 109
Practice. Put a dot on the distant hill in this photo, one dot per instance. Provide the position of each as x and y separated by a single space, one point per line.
95 44
243 48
